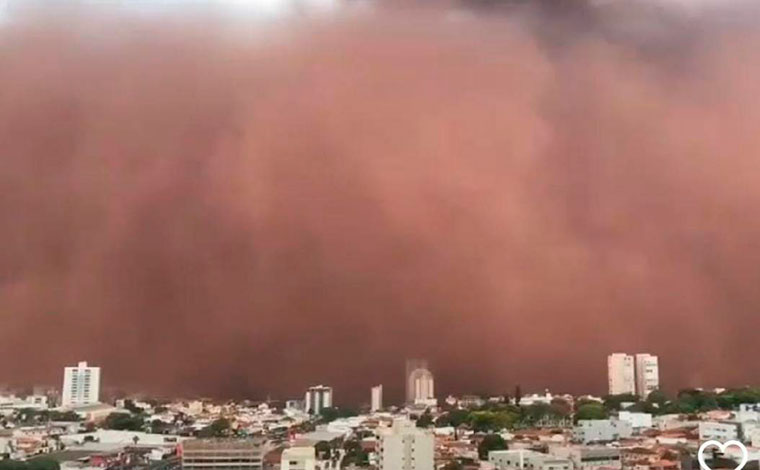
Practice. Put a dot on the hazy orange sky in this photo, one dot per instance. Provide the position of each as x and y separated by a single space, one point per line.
200 203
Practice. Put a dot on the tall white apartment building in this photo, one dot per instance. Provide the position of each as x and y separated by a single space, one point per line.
406 447
647 374
620 374
377 398
81 385
299 458
318 398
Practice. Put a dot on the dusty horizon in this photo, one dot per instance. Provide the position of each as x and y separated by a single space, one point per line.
203 205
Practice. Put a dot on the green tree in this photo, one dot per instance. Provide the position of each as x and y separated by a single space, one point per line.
328 415
34 464
613 402
55 415
490 442
695 401
487 421
355 455
657 397
425 420
536 412
591 410
732 398
43 464
124 422
454 418
159 427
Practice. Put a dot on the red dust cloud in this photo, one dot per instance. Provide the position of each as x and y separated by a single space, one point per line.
202 205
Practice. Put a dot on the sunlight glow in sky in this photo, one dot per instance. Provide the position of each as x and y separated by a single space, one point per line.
255 8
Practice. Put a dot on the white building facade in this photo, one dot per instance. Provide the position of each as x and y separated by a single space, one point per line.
601 430
647 374
620 374
638 421
298 458
719 431
318 398
81 385
526 459
406 447
376 403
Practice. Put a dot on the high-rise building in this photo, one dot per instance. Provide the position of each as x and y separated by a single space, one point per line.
81 385
218 454
620 374
405 446
419 382
647 374
377 398
298 458
318 398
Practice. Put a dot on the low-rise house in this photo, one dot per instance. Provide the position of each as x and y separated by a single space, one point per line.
527 460
719 430
601 430
638 421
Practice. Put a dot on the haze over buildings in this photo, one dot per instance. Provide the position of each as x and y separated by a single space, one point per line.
420 385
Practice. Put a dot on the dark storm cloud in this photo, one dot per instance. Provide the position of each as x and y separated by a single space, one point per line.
211 206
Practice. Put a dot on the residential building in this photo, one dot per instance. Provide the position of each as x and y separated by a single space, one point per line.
299 458
601 430
647 374
419 382
638 421
318 398
536 398
471 401
222 454
406 447
377 398
8 403
719 430
81 385
620 374
96 412
526 459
